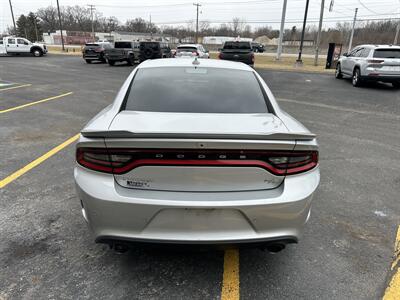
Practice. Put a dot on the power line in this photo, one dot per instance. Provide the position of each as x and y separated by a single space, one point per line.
370 10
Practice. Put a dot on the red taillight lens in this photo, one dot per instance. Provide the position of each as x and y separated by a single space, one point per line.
119 161
195 53
98 49
375 61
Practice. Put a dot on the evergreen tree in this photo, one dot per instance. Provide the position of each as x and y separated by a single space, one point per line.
29 27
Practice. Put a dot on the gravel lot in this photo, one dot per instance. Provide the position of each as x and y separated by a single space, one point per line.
47 252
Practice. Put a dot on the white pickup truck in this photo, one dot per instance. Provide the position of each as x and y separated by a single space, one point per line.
16 45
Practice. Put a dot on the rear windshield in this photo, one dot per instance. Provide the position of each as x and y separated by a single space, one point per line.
186 49
237 45
123 45
91 45
387 53
150 45
196 90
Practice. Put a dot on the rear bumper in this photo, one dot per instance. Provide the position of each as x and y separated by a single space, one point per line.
373 76
116 213
92 56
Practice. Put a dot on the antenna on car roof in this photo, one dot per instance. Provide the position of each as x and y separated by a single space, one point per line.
195 62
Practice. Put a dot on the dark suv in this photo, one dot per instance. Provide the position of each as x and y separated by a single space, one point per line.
151 50
95 51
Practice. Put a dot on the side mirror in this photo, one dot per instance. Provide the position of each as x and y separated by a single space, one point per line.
345 54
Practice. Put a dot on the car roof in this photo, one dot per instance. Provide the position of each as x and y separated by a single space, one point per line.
188 45
188 62
379 46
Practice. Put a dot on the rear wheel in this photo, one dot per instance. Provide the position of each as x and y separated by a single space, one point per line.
396 85
130 60
356 80
338 72
111 62
88 61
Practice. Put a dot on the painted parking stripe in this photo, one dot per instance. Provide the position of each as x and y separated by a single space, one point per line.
230 281
392 292
35 102
15 87
396 250
37 161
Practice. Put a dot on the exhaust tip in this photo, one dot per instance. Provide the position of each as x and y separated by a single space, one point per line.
120 248
275 248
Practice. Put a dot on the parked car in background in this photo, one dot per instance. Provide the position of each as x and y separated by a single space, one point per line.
240 51
123 51
196 164
18 45
191 50
95 51
152 50
257 47
371 63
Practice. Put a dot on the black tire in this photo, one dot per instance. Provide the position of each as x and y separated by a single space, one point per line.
356 79
338 72
37 52
130 60
111 62
148 53
396 85
88 61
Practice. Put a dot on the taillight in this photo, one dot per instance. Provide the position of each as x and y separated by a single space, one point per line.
98 49
220 55
375 61
119 161
195 53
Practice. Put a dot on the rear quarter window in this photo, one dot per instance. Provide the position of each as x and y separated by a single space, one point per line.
195 90
387 53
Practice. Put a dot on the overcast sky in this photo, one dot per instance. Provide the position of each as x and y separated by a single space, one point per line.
255 12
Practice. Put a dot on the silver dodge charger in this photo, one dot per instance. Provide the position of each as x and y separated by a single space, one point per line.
196 152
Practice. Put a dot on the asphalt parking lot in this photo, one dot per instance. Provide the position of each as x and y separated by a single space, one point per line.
47 252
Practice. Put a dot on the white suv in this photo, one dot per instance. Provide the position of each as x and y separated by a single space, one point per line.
191 50
371 63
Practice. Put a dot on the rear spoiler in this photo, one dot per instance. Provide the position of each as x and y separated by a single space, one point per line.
128 134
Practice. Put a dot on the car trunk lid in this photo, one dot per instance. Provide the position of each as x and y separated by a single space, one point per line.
217 152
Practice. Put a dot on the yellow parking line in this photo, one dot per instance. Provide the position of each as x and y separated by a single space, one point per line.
230 281
396 250
15 87
37 162
393 290
35 102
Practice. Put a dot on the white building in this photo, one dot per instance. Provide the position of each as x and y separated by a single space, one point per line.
219 40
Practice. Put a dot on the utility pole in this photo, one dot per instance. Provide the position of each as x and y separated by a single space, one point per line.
281 33
352 30
299 61
321 17
397 34
61 29
151 31
197 21
12 14
36 31
91 6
